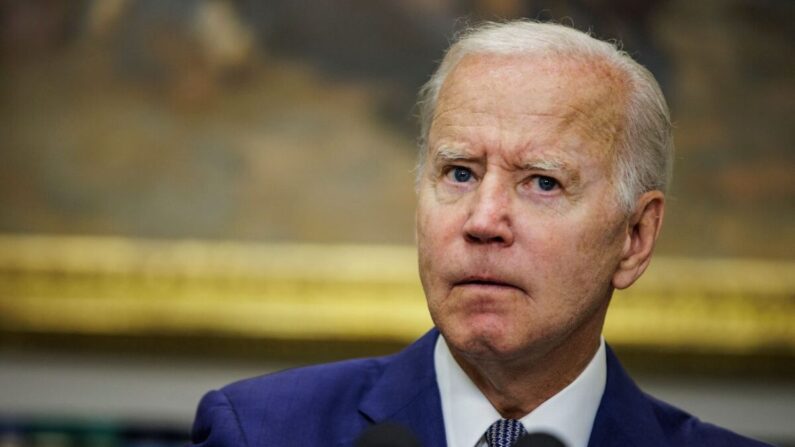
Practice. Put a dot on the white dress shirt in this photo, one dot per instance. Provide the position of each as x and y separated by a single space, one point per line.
467 413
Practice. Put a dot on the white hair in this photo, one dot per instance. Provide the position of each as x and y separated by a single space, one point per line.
644 149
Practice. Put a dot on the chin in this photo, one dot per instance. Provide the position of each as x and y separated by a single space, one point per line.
493 340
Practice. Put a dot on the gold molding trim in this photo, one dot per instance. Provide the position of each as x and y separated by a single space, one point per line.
120 286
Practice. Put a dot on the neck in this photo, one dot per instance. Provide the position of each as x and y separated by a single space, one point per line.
517 387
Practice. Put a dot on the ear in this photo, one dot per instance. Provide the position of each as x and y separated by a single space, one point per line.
643 228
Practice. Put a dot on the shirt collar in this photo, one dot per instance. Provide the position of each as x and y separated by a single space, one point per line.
569 414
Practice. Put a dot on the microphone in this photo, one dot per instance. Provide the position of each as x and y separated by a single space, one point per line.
387 434
539 439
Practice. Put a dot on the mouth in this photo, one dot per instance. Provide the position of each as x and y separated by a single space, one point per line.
485 282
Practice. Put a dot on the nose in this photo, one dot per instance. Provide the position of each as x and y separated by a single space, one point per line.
489 218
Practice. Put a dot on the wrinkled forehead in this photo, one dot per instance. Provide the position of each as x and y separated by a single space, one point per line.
583 92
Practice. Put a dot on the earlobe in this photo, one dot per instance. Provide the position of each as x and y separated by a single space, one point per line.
642 231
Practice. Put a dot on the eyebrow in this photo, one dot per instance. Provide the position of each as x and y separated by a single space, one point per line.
445 154
545 165
567 171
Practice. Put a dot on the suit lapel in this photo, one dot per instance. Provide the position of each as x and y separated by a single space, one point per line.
625 417
407 393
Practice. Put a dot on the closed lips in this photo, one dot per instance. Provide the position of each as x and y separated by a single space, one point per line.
480 281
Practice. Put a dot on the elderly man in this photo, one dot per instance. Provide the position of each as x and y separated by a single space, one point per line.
544 161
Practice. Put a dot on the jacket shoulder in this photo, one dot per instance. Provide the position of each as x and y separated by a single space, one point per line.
275 409
629 417
684 429
339 381
314 405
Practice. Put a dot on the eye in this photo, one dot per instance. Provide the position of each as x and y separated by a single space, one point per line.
460 174
546 183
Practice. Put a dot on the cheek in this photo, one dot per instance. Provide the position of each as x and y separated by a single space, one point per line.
432 234
437 224
591 257
426 233
558 270
567 257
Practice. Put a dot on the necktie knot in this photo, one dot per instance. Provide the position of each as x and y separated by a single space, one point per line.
504 433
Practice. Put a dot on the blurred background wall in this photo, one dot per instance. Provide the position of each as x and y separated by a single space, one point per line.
164 163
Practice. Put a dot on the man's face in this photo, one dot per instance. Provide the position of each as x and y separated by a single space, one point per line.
518 226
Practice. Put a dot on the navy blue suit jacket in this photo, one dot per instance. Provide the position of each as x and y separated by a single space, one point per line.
330 405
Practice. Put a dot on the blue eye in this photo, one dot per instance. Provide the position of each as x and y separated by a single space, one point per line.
461 175
546 183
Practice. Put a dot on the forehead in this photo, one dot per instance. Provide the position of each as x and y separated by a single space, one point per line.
532 101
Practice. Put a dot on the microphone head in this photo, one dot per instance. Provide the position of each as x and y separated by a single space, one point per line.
387 434
539 440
